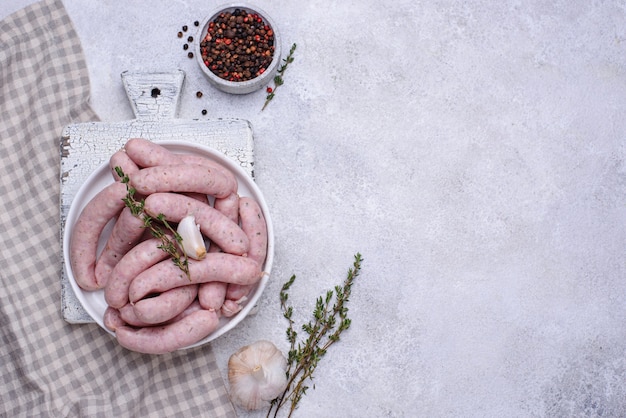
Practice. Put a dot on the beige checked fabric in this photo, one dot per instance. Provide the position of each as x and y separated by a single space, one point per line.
50 368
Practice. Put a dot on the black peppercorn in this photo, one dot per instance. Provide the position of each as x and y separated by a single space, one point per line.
185 28
238 46
190 39
185 47
204 111
190 55
198 94
180 34
196 23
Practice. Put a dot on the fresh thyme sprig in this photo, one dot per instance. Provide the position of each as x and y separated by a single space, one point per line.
278 78
329 321
169 245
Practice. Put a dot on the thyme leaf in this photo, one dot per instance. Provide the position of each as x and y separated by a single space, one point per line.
330 319
278 78
157 226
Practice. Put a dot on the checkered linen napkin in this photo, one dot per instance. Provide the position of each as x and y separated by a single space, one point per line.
48 367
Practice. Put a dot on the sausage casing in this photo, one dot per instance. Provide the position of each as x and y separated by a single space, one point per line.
83 248
163 339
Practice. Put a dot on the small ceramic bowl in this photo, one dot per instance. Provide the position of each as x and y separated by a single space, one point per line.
243 86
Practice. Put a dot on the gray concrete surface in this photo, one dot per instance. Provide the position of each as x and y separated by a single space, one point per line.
473 152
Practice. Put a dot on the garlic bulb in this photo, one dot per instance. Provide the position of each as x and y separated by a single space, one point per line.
193 242
257 374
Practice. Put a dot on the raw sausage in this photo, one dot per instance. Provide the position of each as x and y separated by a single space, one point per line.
181 178
166 275
127 313
237 292
112 319
254 225
126 232
199 197
213 224
163 339
122 160
212 294
167 305
195 306
230 308
106 205
139 258
198 159
146 153
229 206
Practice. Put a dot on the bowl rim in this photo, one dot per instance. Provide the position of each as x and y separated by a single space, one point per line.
76 206
241 86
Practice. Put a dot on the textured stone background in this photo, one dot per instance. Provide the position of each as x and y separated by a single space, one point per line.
473 152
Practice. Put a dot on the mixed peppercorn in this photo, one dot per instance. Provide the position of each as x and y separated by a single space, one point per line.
238 45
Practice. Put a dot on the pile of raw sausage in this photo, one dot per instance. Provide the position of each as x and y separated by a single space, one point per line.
153 306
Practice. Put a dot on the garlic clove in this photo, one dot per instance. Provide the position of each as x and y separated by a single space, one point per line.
192 240
257 374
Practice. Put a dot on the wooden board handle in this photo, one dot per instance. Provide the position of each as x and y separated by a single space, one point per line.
154 96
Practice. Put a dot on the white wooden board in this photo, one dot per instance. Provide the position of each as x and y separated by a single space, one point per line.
86 146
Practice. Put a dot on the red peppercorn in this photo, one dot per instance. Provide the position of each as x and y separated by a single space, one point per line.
269 90
237 45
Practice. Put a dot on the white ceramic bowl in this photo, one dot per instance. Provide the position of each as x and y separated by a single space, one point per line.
239 87
94 302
